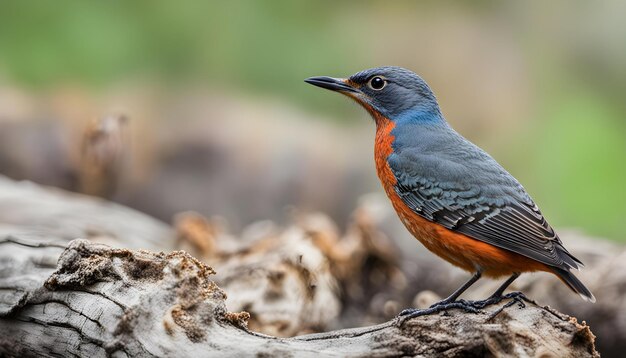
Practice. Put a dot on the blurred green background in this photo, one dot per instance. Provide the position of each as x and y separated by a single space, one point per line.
540 85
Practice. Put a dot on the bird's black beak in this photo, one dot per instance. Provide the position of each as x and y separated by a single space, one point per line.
333 84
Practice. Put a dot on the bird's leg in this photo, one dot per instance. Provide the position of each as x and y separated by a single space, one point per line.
506 284
460 290
447 303
498 296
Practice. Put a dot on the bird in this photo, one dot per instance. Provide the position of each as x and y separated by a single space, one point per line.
450 194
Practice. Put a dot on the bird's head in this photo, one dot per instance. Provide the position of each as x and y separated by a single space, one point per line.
393 92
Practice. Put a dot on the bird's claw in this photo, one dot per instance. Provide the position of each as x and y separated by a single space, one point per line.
408 311
438 307
467 306
516 296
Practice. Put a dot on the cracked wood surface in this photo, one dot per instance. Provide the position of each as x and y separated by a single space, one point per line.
101 301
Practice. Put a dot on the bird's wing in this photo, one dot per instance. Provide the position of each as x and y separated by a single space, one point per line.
475 196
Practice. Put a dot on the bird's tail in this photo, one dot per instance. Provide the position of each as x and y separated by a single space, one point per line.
574 283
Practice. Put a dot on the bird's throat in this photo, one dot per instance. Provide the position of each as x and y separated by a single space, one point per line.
383 148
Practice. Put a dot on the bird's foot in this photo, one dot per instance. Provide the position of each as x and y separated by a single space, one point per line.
495 299
436 308
517 297
467 306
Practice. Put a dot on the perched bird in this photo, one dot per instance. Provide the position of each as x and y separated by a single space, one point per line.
450 194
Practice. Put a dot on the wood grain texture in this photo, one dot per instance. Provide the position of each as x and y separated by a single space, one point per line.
103 301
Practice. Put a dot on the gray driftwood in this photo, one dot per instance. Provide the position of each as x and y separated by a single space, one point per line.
47 214
99 301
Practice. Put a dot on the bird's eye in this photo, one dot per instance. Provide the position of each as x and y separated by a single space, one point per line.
377 83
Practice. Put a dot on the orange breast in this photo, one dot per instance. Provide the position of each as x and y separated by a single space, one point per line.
458 249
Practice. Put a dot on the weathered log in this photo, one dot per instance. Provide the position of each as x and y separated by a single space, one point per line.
107 301
55 215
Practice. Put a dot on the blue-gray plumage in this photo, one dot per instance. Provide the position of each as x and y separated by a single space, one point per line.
446 180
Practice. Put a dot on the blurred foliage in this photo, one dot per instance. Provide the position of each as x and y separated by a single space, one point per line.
262 45
576 171
569 150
